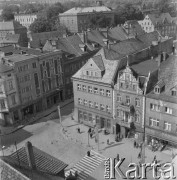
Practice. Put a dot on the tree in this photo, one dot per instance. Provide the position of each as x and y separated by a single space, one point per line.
8 12
40 25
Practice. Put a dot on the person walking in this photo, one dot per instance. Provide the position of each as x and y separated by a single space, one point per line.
134 144
155 159
139 155
117 157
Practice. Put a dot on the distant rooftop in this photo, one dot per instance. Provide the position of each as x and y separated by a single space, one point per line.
4 68
78 10
19 57
10 25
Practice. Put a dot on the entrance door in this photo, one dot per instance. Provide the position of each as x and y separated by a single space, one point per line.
61 95
102 122
117 128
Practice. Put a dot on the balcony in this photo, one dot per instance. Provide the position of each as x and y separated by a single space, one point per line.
124 107
124 123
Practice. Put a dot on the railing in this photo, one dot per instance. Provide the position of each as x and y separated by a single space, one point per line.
124 123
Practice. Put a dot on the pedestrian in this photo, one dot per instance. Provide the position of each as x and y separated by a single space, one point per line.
108 141
139 155
134 144
89 131
78 130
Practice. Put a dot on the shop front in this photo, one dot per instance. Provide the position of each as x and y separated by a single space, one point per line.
90 119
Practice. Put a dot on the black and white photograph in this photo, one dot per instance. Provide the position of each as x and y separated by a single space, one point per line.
88 89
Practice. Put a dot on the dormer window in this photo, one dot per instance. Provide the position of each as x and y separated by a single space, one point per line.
173 92
157 90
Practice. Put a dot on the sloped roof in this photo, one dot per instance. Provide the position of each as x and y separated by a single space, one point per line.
10 25
147 38
9 172
10 38
48 46
99 62
110 69
167 74
5 68
39 39
44 162
77 10
155 18
117 33
96 36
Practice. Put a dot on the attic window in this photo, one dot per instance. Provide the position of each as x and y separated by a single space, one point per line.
173 93
157 90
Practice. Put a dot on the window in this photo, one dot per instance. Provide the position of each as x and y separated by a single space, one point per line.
173 93
137 102
127 77
157 107
95 90
96 105
78 86
85 102
102 92
2 103
108 93
134 87
102 107
157 90
79 100
167 126
152 106
108 109
10 85
108 123
127 100
137 118
87 73
127 86
13 99
90 104
168 110
119 98
121 84
118 112
83 87
90 90
34 65
153 122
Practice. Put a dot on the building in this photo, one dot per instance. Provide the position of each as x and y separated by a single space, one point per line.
161 103
163 23
25 19
11 28
39 83
29 163
109 92
77 19
8 92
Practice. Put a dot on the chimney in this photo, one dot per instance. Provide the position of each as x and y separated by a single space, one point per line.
30 155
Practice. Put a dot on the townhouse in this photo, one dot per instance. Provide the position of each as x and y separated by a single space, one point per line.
161 104
39 83
109 90
163 23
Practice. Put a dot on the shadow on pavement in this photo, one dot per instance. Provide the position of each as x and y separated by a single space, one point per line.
17 136
112 146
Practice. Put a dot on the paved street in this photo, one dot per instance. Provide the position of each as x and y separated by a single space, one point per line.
64 142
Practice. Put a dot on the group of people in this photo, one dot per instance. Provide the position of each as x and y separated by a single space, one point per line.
136 145
91 132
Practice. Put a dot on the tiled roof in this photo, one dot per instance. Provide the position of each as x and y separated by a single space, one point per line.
117 33
155 18
39 39
143 68
8 172
77 10
10 38
18 57
96 36
44 162
147 38
5 68
110 69
99 62
10 25
167 75
7 49
160 83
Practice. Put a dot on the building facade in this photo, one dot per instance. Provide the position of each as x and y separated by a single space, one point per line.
78 19
25 19
39 83
9 95
163 23
161 105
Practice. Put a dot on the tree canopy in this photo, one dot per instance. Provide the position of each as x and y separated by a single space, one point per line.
8 12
